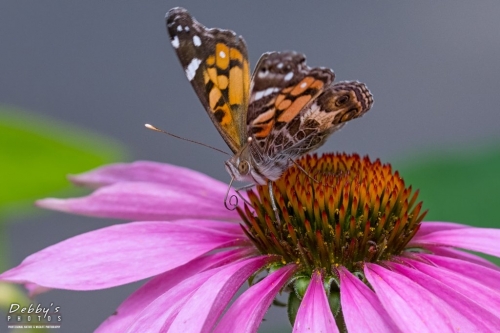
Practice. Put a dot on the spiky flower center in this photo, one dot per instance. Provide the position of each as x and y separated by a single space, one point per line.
338 210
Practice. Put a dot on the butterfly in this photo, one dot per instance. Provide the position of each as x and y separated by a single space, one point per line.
268 120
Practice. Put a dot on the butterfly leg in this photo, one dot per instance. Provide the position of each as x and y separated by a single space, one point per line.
304 171
273 202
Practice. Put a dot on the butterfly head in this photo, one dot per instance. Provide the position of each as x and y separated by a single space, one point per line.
240 166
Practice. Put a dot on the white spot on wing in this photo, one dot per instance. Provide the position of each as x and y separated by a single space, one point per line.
192 67
303 84
179 27
264 93
259 95
222 54
269 91
288 77
186 28
280 65
196 40
175 42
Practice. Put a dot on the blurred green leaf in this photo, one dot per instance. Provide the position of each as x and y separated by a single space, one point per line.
458 186
37 153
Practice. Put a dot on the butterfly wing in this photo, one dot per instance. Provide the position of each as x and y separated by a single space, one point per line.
282 86
216 64
294 109
336 105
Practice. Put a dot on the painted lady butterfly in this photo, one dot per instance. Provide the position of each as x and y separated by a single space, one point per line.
283 111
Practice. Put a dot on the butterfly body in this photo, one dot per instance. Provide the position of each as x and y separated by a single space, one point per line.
268 119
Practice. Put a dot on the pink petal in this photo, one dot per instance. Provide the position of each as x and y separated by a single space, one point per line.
175 177
202 311
489 276
226 227
145 201
129 310
433 308
117 255
361 308
458 254
195 304
314 313
464 313
473 289
247 312
161 312
483 240
146 171
429 227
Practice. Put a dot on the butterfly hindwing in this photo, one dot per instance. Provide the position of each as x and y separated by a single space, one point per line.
337 104
216 64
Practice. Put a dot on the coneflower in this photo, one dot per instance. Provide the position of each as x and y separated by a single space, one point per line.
351 249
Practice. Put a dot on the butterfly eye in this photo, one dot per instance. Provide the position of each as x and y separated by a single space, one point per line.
243 168
342 100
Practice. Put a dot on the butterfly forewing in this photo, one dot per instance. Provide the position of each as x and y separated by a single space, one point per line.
216 64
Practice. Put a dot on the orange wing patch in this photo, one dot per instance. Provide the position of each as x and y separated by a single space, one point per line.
222 55
293 110
293 99
227 81
235 91
239 79
263 124
287 105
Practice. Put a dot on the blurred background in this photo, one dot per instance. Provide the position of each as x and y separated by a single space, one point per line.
92 73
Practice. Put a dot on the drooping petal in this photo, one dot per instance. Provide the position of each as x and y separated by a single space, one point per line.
473 289
314 313
247 312
160 313
483 240
117 255
203 309
129 310
465 313
489 276
458 254
361 308
433 308
429 227
195 304
145 201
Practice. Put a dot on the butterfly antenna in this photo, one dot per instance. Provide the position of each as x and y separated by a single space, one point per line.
151 127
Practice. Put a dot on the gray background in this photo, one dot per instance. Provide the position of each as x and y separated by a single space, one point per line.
107 66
